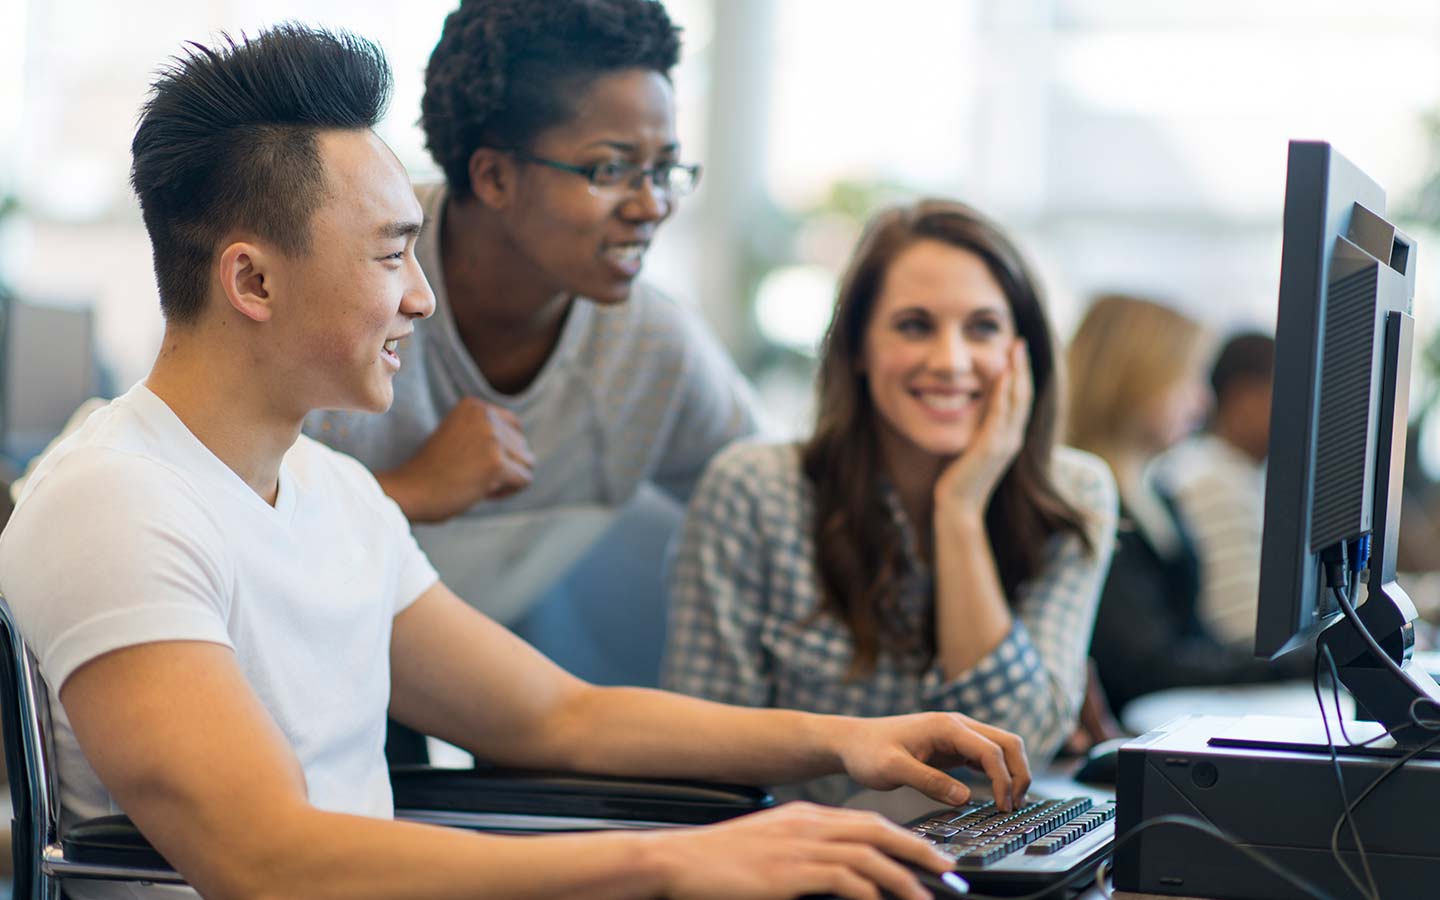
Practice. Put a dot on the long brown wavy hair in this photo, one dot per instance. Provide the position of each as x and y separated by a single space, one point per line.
858 548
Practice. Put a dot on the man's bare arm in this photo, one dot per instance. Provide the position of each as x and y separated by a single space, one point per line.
460 676
189 753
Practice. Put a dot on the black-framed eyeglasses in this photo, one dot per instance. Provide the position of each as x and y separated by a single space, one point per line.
672 178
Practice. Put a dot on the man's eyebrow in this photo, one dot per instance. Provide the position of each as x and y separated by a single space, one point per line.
400 230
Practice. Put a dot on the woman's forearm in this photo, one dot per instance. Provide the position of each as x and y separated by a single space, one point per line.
971 615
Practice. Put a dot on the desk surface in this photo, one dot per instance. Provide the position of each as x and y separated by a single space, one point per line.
1281 698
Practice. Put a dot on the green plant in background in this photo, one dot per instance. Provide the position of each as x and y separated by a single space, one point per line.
1423 206
789 261
1420 212
858 200
818 238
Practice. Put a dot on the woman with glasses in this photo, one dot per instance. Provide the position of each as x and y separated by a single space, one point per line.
551 383
927 547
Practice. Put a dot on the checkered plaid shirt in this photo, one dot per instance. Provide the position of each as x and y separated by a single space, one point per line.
744 591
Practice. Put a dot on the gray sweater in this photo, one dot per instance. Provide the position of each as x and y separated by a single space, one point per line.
634 392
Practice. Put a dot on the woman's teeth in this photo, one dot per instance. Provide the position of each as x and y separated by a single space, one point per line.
946 402
625 253
391 344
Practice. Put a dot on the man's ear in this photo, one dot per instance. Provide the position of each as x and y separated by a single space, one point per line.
492 177
247 277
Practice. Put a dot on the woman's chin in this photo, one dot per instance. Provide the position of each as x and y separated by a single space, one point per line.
946 444
942 451
612 288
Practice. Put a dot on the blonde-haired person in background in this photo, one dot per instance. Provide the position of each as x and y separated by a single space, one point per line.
1137 387
928 547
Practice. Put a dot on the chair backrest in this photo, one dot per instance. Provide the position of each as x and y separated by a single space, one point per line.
24 715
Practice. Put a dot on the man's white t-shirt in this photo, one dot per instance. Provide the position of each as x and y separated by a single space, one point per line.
131 531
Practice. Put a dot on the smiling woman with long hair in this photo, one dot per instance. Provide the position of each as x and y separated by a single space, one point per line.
928 547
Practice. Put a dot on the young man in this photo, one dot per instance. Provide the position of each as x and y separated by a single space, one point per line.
223 609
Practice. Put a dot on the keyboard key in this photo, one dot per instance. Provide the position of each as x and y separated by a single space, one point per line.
940 832
972 812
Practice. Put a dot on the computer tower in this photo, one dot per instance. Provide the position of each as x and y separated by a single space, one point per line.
1281 803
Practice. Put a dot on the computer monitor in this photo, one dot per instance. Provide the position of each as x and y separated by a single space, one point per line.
1337 438
47 369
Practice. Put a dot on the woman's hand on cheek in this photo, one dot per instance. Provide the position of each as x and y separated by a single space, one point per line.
965 486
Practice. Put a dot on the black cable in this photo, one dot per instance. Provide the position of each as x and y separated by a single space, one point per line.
1335 688
1336 583
1206 828
1369 639
1427 724
1324 651
1200 825
1348 807
1339 714
1379 779
1374 892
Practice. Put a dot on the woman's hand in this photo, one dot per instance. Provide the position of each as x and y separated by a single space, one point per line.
477 453
965 486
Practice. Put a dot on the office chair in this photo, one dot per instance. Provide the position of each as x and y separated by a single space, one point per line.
483 799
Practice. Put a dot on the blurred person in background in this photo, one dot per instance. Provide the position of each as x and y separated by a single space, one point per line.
1137 388
1217 480
928 547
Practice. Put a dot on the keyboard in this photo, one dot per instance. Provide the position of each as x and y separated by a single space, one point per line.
1044 843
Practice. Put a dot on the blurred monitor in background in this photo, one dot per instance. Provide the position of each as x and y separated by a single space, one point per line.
47 369
1217 480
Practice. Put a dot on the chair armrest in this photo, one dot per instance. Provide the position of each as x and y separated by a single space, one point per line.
112 841
421 792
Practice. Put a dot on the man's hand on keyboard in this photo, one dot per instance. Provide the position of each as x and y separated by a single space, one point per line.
795 850
912 751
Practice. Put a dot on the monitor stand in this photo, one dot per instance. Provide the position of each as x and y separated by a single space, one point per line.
1396 699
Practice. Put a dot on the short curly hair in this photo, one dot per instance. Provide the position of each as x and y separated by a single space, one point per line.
506 70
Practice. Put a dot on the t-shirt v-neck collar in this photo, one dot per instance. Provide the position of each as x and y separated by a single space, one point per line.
196 457
577 319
